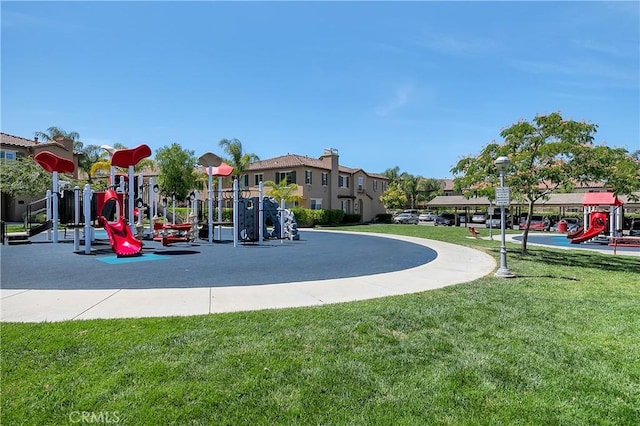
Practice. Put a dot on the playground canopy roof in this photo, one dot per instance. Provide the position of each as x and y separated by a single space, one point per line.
601 199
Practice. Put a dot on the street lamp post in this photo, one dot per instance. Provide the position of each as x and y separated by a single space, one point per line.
502 199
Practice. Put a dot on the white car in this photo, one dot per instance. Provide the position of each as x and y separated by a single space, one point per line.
427 217
406 218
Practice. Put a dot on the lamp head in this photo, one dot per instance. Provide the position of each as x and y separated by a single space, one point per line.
502 163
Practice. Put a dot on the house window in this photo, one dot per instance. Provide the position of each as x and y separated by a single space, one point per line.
7 155
290 177
307 177
244 181
343 181
375 185
316 204
344 205
257 178
325 179
360 183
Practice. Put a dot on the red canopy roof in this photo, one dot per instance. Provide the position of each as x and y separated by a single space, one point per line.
53 163
222 170
600 199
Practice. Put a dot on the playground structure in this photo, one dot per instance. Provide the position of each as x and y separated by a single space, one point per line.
600 225
120 231
251 215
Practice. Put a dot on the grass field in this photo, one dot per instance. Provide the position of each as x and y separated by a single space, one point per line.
559 344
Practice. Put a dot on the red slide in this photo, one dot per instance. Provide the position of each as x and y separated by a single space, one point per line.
598 221
122 240
575 234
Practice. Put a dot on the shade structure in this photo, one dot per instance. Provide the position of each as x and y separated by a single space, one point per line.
222 170
130 156
600 199
209 160
54 163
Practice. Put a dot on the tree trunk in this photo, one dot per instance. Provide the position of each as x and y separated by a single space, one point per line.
525 234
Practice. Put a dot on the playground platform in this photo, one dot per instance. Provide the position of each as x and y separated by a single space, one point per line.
49 282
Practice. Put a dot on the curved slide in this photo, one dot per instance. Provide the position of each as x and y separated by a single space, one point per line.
598 225
121 239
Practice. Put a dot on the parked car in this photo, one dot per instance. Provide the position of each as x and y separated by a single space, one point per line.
479 217
462 219
406 218
634 230
446 219
538 223
494 221
427 217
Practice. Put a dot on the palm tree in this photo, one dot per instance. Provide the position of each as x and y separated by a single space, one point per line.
282 191
409 184
90 155
54 132
236 158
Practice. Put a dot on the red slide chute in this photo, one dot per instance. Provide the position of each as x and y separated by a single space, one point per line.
597 225
121 239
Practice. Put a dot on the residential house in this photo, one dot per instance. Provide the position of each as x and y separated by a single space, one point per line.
322 183
13 147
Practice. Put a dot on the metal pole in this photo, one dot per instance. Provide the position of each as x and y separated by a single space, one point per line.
260 214
503 271
88 230
55 193
76 218
130 196
49 213
235 212
220 208
210 205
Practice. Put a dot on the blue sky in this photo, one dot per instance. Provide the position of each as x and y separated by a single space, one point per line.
416 85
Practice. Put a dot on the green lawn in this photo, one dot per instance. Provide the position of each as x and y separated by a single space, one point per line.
560 344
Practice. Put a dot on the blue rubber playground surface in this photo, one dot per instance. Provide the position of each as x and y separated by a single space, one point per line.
562 241
43 265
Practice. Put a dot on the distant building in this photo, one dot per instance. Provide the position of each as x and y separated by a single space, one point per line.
322 183
13 147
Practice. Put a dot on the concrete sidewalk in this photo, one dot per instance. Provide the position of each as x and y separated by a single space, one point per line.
453 265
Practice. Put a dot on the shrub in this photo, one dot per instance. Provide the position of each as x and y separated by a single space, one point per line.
351 218
330 217
304 217
384 218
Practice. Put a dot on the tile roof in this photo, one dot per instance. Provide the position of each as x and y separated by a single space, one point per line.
294 160
7 139
11 140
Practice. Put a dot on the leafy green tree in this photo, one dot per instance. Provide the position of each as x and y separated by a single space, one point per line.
24 176
392 174
546 154
54 132
615 167
394 197
428 189
236 158
177 170
282 191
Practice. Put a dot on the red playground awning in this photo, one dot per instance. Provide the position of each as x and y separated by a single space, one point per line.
600 199
222 170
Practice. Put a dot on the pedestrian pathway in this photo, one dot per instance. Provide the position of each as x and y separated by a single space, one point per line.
453 265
